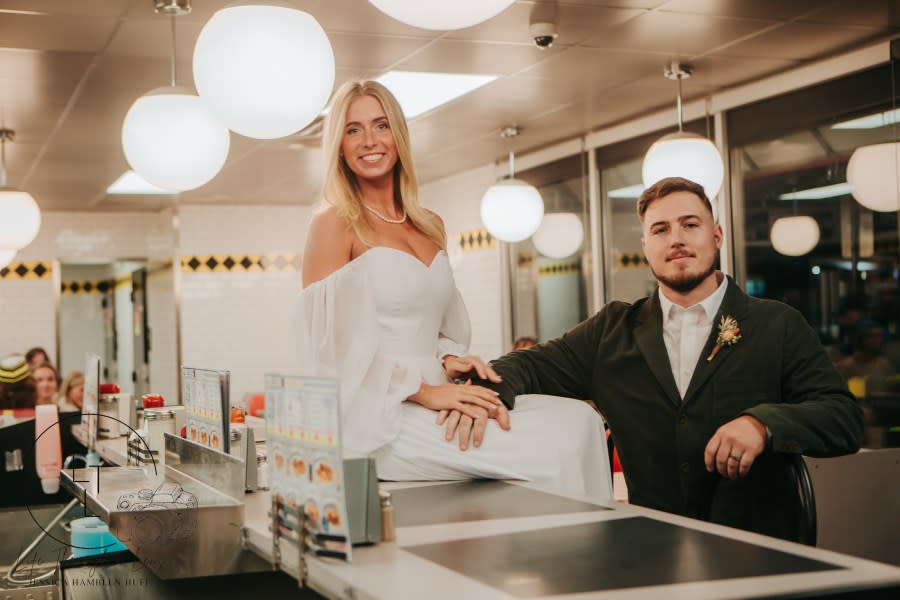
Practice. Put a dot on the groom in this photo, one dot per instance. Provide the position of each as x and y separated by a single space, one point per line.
705 388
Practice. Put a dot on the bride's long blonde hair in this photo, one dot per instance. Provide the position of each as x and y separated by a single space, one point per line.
341 188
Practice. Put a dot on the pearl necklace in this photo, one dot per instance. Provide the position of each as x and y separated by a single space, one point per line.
384 218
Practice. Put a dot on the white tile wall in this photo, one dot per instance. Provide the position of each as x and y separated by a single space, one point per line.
27 316
81 317
241 321
160 301
457 199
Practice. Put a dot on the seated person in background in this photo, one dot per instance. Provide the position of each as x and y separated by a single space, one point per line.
867 359
46 381
36 356
702 386
381 312
16 386
523 342
71 393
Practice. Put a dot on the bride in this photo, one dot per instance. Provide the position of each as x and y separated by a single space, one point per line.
380 312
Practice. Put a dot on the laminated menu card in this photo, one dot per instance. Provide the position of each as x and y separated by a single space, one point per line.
306 475
206 407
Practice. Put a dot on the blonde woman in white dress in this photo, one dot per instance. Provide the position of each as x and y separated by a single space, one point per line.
380 311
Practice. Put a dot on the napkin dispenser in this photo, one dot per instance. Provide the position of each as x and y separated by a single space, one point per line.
363 501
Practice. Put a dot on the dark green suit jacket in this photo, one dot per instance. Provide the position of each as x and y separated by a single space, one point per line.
778 372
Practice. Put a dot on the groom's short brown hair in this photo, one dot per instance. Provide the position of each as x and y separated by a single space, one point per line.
667 186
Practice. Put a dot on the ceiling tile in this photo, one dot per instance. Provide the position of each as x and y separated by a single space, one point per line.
457 56
801 41
870 13
676 33
69 33
93 8
575 23
358 51
757 9
716 71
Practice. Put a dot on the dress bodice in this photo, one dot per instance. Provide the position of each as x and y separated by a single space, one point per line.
410 299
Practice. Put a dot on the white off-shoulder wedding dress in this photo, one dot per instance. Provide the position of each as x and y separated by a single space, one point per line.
381 324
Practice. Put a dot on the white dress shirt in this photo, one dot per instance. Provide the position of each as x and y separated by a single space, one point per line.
685 331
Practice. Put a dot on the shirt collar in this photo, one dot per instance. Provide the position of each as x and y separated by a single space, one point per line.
710 304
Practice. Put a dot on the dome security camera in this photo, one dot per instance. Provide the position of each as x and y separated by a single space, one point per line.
543 33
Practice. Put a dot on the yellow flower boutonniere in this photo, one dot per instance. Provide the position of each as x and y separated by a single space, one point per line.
729 334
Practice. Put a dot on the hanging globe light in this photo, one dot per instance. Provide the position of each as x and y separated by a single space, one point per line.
441 15
511 210
684 154
559 236
873 173
6 257
265 70
794 236
172 140
20 217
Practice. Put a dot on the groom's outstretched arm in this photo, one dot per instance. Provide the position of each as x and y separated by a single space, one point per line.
560 367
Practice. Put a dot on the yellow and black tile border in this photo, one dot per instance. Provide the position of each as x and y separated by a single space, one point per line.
241 263
27 270
559 268
475 239
630 260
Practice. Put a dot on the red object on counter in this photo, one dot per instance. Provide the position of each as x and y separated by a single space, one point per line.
256 406
109 388
237 414
184 432
153 400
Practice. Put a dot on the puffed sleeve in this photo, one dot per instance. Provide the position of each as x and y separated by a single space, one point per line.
456 330
338 336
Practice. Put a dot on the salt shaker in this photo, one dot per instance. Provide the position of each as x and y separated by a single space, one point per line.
388 532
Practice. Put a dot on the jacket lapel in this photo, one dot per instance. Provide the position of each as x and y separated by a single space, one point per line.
734 304
649 338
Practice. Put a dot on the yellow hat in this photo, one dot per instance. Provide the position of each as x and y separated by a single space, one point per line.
13 368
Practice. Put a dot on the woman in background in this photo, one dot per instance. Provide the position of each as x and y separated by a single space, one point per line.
46 381
380 311
71 393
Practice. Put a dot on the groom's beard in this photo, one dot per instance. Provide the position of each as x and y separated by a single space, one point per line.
685 282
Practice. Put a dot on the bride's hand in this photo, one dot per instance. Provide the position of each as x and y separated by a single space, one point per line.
463 398
458 366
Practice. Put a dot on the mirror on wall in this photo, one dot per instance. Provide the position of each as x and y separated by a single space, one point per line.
548 275
124 311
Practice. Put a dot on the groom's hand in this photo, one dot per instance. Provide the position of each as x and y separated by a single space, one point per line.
471 430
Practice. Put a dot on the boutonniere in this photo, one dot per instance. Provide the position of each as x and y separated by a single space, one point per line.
729 334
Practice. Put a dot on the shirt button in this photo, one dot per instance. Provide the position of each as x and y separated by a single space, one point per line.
685 467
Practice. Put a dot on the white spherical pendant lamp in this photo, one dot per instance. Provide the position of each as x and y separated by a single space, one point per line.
512 210
559 236
20 217
265 70
685 155
6 257
794 236
873 173
441 15
173 140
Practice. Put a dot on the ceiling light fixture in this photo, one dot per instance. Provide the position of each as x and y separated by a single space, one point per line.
834 190
169 135
794 236
130 183
441 15
627 193
874 176
20 217
888 117
265 68
511 209
559 236
683 154
419 93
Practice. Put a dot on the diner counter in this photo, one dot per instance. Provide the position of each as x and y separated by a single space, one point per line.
507 540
